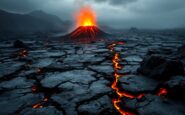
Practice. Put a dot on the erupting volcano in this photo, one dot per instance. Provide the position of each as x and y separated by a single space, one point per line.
85 17
87 30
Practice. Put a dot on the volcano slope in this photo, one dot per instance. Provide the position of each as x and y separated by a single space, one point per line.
86 34
70 79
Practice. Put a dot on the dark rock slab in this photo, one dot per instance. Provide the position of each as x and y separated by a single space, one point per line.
100 106
136 83
55 67
159 67
154 105
74 95
176 87
133 58
74 76
18 82
107 69
9 68
45 111
13 101
131 69
19 44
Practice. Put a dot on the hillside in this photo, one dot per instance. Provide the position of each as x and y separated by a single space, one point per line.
34 22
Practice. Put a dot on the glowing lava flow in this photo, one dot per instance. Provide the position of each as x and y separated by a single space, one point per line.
85 17
116 59
162 92
23 53
40 104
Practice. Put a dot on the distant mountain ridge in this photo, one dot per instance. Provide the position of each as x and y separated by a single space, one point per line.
36 21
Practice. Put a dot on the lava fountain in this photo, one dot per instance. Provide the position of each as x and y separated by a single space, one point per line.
85 17
87 30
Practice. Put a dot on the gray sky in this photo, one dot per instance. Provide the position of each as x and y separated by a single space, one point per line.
115 13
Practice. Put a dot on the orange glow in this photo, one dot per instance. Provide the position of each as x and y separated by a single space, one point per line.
116 64
39 70
162 92
45 99
23 53
122 112
111 47
34 88
120 43
140 96
38 105
85 17
115 61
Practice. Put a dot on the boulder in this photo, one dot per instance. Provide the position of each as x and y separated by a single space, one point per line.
176 85
159 67
19 44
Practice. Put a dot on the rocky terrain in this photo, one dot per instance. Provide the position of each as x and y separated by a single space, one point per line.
140 75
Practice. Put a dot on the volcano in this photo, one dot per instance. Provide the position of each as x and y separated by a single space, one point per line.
87 30
86 34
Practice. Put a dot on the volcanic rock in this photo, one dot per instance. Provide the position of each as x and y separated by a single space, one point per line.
154 105
77 79
158 67
132 69
46 111
106 69
10 68
18 82
97 107
176 86
136 84
14 100
182 48
86 34
75 76
19 44
181 51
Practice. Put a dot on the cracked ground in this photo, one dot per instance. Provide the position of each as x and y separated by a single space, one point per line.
54 78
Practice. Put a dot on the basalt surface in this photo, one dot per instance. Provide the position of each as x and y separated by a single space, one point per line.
56 78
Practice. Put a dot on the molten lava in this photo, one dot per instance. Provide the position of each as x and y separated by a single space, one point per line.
116 64
85 17
40 104
162 92
34 88
86 30
23 53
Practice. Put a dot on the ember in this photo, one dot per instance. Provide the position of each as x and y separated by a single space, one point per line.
122 112
23 53
40 104
34 89
162 92
39 70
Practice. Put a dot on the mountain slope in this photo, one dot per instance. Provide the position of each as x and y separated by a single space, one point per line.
53 19
30 23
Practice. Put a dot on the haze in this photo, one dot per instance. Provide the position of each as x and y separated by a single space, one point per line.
113 13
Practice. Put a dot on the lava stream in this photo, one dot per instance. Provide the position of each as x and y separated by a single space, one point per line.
116 64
